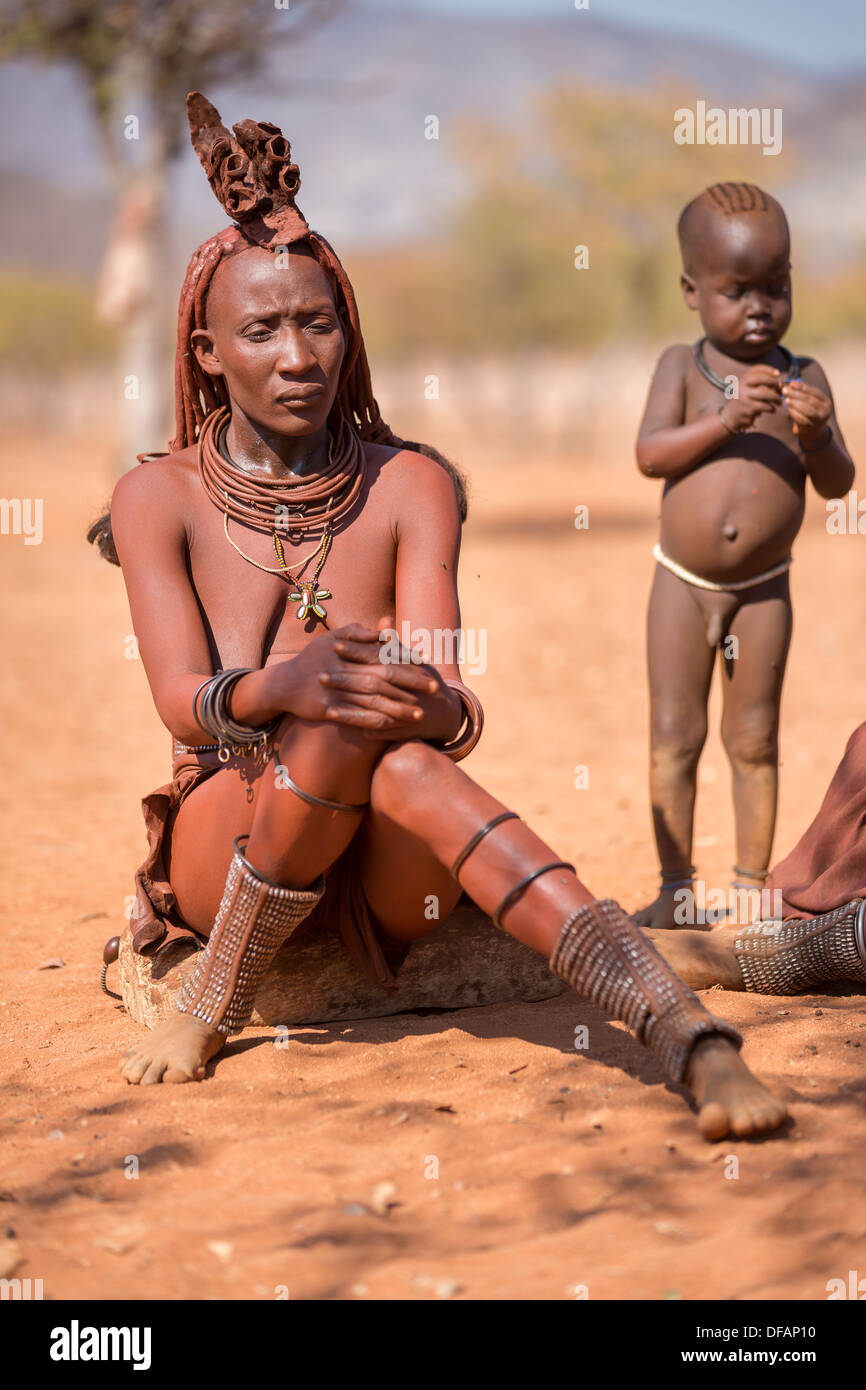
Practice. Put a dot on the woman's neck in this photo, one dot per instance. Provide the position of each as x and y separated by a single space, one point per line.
271 455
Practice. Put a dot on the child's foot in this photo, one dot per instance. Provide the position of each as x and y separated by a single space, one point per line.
730 1099
178 1050
659 915
702 958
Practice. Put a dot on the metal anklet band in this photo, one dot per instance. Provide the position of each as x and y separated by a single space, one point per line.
285 780
791 956
607 959
860 930
254 918
684 881
760 874
520 888
477 838
687 874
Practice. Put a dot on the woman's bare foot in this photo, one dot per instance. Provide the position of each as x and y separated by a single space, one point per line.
178 1050
730 1099
702 958
659 915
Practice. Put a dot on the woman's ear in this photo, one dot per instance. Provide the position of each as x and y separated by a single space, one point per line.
202 343
690 290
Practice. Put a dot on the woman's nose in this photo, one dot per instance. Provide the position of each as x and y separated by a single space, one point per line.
293 352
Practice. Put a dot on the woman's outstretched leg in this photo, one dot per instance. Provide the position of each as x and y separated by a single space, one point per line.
425 811
423 814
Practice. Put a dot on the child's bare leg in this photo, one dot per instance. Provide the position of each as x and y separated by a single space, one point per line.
752 682
680 665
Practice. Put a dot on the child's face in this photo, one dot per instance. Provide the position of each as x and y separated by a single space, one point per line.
742 285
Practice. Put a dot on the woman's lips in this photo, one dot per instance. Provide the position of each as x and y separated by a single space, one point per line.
298 398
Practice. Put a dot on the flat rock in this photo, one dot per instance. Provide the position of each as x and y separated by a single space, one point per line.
463 963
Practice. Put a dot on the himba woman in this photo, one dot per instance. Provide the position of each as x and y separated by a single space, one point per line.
260 557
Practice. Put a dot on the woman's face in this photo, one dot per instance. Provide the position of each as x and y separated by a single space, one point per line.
275 335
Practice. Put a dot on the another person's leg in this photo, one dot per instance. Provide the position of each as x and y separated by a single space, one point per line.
773 957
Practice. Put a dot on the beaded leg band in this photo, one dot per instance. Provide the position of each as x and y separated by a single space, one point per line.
254 918
788 957
607 959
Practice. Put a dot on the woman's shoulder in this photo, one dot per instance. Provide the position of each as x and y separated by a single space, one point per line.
158 478
416 472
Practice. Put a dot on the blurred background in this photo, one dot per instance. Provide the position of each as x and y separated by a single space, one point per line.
552 126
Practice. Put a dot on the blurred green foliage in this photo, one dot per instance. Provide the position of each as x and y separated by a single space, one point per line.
48 323
599 169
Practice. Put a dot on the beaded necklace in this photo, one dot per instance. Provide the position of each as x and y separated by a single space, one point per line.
255 502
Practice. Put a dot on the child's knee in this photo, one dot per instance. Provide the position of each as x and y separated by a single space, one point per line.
677 738
752 741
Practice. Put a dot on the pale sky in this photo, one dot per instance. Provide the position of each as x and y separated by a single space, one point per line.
826 36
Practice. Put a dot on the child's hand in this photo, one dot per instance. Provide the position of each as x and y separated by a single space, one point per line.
760 393
809 409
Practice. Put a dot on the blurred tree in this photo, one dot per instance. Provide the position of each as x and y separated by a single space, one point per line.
598 169
138 59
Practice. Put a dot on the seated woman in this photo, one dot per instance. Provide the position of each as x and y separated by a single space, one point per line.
821 937
313 771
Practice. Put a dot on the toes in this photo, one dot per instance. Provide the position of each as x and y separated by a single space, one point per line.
743 1123
713 1121
134 1068
175 1076
153 1073
762 1116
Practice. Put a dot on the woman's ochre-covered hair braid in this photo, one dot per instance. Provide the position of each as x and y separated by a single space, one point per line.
255 181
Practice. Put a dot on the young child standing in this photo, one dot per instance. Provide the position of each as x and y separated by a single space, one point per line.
733 426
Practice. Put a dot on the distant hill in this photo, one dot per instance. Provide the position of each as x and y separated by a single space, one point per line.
353 98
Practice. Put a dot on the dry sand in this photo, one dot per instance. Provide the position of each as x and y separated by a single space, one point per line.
472 1154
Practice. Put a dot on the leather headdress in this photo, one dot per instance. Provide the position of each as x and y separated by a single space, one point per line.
251 173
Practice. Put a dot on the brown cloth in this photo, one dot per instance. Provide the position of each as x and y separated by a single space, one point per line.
344 908
827 867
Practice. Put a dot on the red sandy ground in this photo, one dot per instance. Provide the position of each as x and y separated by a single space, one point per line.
555 1170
